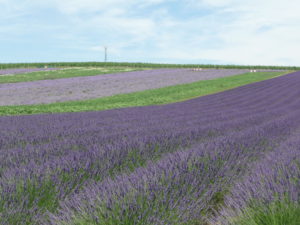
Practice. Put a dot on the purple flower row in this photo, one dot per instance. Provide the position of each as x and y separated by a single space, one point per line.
87 87
177 189
275 177
47 160
24 70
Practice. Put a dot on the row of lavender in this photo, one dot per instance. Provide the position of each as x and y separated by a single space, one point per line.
181 188
89 87
54 165
270 192
24 70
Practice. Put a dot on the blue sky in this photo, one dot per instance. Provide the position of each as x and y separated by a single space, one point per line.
164 31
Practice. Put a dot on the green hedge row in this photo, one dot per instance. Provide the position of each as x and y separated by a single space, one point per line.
138 64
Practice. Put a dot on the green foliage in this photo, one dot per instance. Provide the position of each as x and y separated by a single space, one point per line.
277 213
138 64
149 97
127 211
43 195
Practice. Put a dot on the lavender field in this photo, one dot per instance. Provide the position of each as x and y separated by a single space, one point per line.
24 70
210 160
81 88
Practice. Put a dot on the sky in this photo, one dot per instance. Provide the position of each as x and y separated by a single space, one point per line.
256 32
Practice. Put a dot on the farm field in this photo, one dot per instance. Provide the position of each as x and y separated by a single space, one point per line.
7 72
81 88
112 84
34 74
231 157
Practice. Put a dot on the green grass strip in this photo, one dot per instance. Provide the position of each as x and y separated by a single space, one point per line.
164 95
275 213
64 73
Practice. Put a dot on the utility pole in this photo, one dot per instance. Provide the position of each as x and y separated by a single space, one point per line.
105 54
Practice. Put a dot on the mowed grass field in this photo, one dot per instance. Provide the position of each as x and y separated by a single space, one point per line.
212 152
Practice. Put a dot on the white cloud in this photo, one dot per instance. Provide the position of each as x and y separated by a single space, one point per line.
265 32
77 6
229 31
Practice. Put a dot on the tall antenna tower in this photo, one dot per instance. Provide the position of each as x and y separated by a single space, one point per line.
105 53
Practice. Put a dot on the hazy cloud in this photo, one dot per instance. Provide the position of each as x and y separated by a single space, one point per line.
196 31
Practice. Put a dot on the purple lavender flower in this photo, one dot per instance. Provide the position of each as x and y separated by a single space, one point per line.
163 164
81 88
24 70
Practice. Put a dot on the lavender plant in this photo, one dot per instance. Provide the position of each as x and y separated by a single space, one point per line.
270 193
108 166
67 89
23 70
181 188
